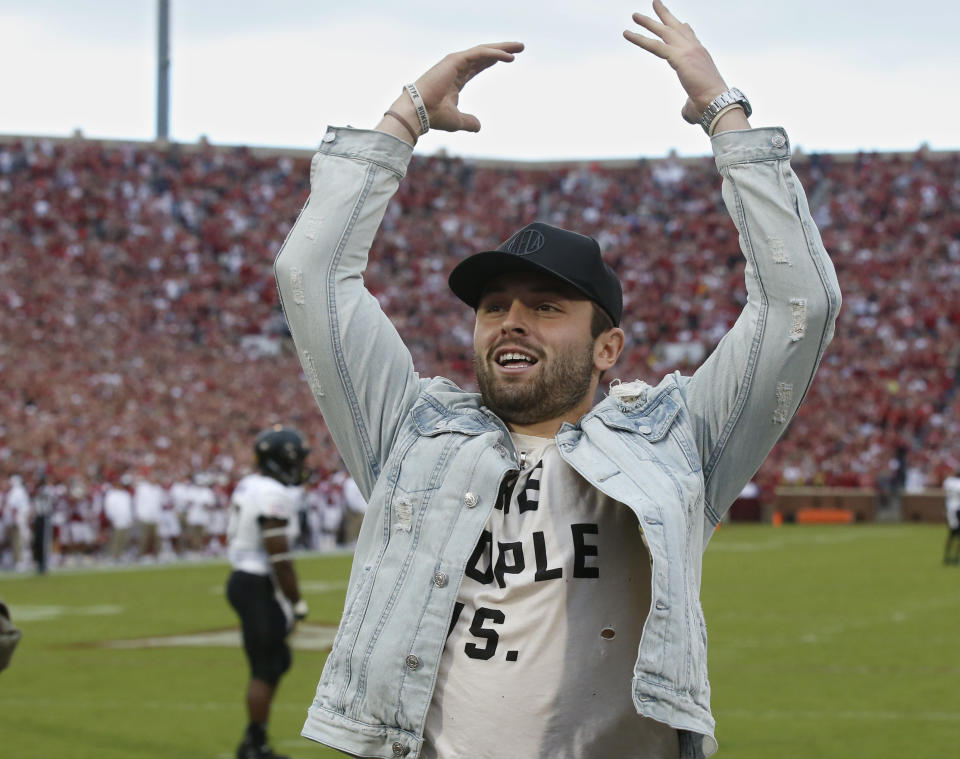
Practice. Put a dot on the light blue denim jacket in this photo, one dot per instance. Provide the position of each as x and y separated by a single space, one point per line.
430 458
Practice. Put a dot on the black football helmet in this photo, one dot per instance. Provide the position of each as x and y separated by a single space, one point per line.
280 454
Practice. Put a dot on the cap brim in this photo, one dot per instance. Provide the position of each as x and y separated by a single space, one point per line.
469 278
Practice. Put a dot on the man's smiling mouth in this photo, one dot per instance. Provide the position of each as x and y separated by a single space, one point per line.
515 359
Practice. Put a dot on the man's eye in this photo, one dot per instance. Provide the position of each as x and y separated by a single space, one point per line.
546 307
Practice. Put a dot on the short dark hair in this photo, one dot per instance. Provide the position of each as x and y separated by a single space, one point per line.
600 322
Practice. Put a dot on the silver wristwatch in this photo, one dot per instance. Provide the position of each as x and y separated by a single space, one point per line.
721 101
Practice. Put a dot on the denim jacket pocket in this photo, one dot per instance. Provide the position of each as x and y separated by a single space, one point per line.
652 420
432 418
420 462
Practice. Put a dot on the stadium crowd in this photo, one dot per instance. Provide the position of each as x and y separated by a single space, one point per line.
141 338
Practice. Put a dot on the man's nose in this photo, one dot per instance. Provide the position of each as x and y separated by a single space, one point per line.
516 319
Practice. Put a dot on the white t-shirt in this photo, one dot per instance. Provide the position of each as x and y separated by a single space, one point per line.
18 504
200 500
180 496
545 632
118 505
169 524
952 486
256 497
353 498
148 502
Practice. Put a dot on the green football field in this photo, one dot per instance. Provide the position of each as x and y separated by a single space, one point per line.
840 641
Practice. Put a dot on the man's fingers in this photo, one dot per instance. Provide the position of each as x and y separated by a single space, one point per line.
651 25
441 85
469 122
487 55
670 27
505 47
664 14
482 57
656 47
690 113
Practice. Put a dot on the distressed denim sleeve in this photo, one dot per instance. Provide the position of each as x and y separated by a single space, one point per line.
744 395
356 364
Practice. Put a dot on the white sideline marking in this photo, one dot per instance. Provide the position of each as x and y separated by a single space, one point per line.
323 586
47 613
71 702
307 637
771 545
823 634
858 714
774 543
306 586
104 567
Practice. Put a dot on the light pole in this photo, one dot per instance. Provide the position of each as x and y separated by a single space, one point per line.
163 70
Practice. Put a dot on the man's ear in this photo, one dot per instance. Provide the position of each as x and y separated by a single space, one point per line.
607 348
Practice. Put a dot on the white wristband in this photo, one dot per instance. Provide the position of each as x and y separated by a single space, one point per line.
420 106
721 112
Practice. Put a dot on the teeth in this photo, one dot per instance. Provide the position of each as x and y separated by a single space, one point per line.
514 357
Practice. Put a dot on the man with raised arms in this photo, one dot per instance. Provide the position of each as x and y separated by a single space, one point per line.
526 581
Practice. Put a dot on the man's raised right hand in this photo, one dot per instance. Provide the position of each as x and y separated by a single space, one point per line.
440 89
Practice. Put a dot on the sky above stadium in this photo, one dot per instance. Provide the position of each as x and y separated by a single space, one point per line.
840 76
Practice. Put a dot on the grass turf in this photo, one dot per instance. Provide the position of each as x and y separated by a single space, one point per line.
836 641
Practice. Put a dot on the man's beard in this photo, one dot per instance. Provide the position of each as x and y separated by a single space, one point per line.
558 388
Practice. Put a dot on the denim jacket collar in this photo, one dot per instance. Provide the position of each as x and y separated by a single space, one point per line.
650 416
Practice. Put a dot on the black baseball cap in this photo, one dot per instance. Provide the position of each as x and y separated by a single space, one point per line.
570 257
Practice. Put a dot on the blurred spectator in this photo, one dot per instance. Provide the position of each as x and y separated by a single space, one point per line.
200 501
18 508
148 498
42 525
354 509
118 507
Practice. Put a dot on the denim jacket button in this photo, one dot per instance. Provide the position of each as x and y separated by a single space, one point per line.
413 662
470 499
501 449
778 140
440 579
329 136
398 749
644 429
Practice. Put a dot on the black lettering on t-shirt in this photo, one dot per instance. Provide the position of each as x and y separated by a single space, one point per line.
457 611
528 499
484 547
477 630
582 550
514 568
540 553
505 494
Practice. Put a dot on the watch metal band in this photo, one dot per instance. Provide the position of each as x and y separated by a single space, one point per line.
733 96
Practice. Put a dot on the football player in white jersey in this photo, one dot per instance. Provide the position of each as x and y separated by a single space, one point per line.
263 584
